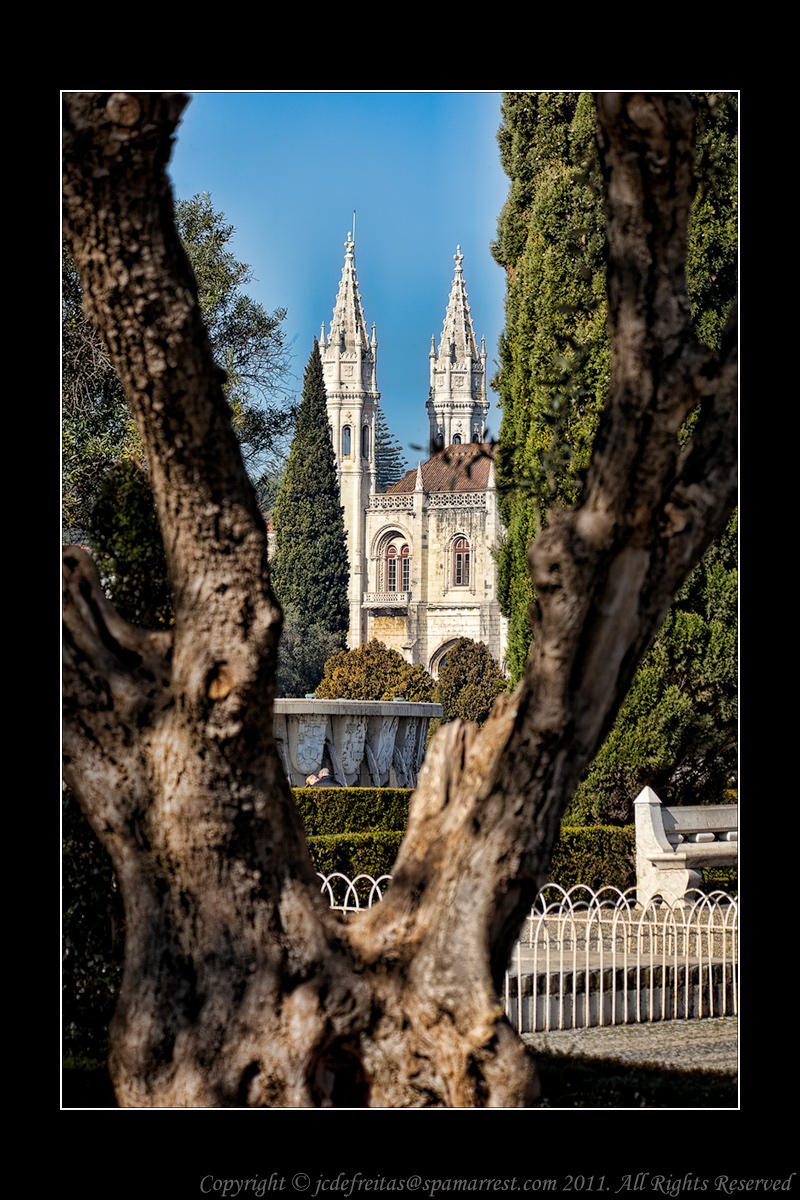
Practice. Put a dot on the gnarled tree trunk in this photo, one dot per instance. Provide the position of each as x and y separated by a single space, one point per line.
240 987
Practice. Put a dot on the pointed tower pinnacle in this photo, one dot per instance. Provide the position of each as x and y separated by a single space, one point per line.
458 335
349 367
348 329
457 405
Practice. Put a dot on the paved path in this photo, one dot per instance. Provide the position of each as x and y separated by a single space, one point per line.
710 1043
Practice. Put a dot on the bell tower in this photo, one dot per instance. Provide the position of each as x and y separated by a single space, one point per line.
349 365
457 405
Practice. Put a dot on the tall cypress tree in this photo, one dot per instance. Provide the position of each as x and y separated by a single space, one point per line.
554 355
310 571
677 728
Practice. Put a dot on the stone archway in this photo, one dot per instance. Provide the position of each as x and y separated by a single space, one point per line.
439 655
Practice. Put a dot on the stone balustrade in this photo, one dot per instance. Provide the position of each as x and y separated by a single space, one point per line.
366 743
386 599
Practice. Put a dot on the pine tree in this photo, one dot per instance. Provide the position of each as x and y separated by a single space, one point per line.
310 570
388 454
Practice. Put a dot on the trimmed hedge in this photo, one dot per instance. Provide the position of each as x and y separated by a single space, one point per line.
331 811
595 855
598 856
354 854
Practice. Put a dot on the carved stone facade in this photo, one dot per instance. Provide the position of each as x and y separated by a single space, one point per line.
422 571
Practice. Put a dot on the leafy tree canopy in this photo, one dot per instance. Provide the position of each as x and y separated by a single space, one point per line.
128 548
374 672
248 344
247 341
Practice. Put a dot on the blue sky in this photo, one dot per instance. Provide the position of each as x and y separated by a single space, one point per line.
422 171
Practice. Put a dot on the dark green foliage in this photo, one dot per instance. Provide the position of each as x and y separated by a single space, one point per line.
126 538
600 856
92 936
97 424
677 728
711 258
388 454
354 854
310 571
325 811
374 672
554 353
303 652
469 682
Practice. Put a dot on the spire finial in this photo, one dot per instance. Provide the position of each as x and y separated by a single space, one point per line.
459 257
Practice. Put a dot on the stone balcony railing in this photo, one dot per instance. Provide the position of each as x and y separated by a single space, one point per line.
366 743
386 599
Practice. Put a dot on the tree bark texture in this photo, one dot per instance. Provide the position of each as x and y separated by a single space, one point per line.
240 987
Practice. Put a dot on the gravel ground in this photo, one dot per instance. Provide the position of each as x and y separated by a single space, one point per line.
710 1043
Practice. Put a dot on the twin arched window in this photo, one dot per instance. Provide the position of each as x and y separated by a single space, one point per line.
398 567
461 562
347 441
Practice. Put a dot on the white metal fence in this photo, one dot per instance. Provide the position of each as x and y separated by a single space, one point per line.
587 958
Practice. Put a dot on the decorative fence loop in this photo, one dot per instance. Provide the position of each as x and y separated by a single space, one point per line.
586 958
370 891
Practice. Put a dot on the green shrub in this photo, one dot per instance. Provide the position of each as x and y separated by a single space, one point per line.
374 672
354 854
351 810
597 856
469 682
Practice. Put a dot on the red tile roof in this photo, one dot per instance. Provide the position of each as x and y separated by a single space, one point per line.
457 468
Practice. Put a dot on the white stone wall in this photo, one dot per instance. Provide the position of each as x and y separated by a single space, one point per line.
439 611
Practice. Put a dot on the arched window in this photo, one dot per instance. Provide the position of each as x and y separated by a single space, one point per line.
346 441
365 442
397 566
391 569
461 563
457 439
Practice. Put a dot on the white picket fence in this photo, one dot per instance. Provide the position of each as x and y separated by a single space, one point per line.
587 958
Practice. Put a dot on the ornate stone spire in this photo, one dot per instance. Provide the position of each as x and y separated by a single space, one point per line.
348 329
458 334
457 405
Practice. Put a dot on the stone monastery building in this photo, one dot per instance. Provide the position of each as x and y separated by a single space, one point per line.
422 573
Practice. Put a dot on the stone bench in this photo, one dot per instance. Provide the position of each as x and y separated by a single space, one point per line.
673 845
